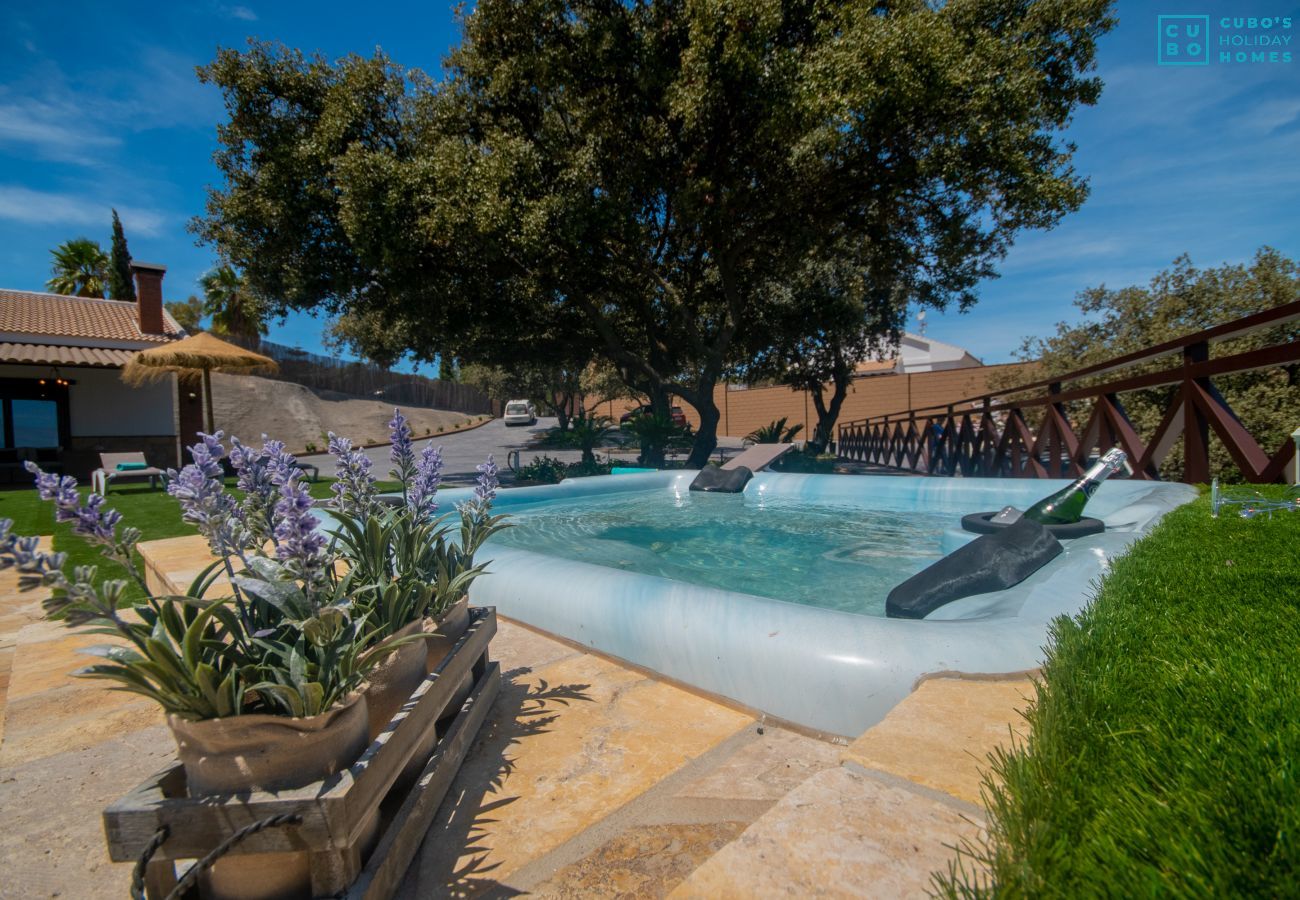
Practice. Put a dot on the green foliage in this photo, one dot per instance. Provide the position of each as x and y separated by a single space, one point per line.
806 462
775 433
648 179
543 470
549 470
121 286
586 433
655 433
234 309
586 468
188 313
79 267
1178 301
1161 753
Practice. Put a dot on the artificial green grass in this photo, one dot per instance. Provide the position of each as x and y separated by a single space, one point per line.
154 512
1164 745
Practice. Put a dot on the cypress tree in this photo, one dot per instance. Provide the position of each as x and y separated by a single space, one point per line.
120 284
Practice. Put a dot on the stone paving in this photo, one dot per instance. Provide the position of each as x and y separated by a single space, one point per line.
589 778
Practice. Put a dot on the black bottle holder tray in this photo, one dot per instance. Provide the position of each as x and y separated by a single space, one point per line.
979 524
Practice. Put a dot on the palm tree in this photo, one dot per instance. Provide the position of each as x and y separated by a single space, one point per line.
80 268
774 433
586 433
233 308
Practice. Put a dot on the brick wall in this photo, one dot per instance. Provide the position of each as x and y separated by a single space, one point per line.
744 411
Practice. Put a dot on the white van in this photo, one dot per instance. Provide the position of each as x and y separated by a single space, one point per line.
520 412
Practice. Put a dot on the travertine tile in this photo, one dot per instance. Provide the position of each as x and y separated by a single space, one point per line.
645 861
942 734
766 769
839 834
52 844
564 746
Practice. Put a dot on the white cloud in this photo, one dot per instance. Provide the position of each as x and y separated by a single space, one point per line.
22 204
242 12
50 116
51 131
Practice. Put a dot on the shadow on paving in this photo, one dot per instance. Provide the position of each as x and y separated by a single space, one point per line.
520 711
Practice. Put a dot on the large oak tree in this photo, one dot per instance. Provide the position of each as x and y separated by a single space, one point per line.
651 177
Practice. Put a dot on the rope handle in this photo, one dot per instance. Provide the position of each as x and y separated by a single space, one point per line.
192 876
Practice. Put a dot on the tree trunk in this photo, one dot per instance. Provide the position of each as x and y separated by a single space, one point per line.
827 415
706 438
653 453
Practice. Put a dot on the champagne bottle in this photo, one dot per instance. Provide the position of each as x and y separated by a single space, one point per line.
1066 505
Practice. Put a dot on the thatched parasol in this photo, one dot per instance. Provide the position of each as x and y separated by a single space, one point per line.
201 351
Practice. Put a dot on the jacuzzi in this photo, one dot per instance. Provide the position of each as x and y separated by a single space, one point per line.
774 598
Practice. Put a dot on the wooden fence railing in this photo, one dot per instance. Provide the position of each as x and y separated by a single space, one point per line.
989 435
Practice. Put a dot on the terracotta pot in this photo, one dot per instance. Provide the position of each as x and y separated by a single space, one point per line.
270 753
391 683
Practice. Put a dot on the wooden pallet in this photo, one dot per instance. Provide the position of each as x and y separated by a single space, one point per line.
336 813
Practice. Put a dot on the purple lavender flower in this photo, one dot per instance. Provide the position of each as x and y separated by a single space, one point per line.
354 489
257 478
298 542
402 456
201 492
89 520
420 497
485 487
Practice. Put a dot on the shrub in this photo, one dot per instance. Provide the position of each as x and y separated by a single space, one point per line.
806 463
543 470
585 468
774 433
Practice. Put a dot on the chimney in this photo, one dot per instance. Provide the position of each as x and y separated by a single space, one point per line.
148 296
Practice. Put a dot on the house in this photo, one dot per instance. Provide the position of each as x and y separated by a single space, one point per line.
918 353
62 399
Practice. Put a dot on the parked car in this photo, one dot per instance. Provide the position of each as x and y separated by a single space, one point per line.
676 413
520 412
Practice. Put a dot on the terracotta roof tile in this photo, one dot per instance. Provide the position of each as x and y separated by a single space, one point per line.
56 315
875 367
54 355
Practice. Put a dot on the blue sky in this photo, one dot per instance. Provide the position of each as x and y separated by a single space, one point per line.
99 107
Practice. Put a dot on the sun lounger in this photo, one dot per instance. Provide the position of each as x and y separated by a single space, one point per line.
758 457
124 467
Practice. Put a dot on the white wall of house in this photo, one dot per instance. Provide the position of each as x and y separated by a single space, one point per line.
918 353
100 405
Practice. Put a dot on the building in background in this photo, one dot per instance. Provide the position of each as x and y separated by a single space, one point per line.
62 400
918 353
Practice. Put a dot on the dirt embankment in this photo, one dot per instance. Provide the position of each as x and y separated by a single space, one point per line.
248 407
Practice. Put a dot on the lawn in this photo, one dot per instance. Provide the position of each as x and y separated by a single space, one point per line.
154 512
1164 746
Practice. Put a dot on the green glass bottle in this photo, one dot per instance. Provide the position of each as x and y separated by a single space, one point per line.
1066 505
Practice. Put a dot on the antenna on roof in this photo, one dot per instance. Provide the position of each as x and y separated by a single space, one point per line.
920 323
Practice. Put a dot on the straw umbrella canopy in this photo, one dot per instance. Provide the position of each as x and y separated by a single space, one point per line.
202 352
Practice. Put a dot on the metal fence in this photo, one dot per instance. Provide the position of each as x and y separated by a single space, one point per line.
990 435
369 381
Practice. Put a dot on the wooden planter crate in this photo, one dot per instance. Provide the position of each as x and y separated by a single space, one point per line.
335 812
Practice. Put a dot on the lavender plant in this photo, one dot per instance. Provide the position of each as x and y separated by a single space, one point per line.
405 549
296 649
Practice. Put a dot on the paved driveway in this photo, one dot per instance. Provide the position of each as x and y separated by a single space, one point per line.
464 451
